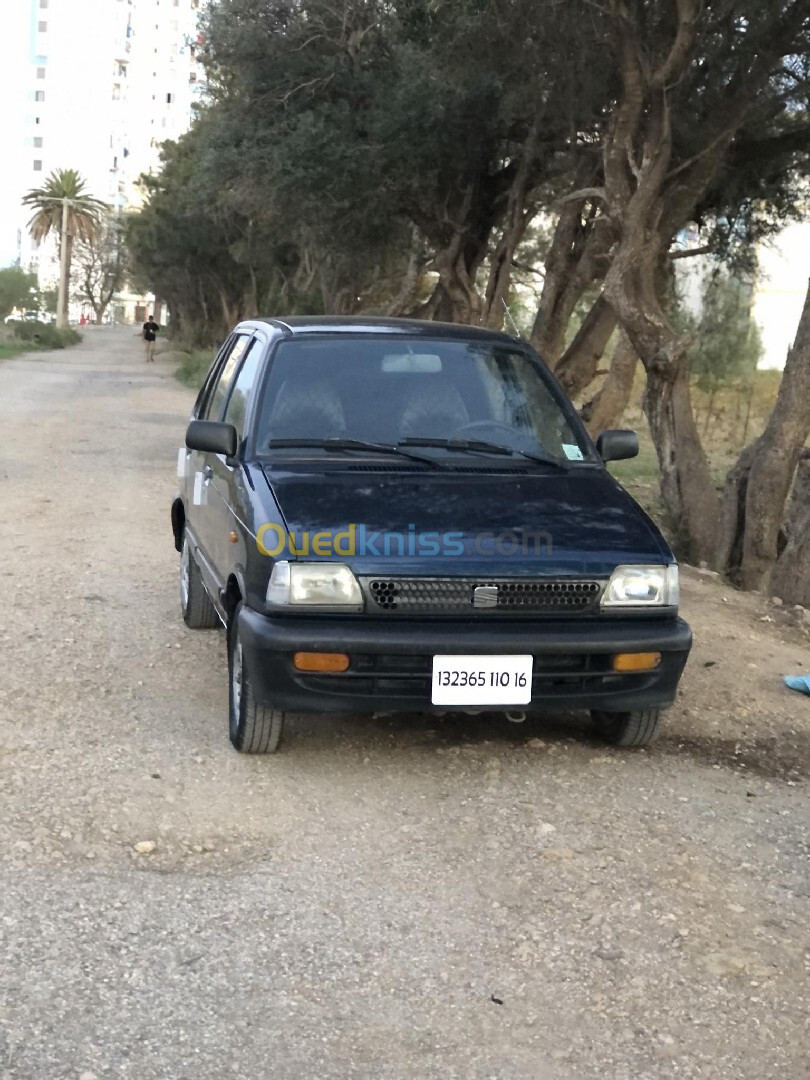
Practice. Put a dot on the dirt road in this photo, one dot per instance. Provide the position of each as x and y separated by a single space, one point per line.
383 899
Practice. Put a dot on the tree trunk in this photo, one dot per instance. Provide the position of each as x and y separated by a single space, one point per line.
728 556
606 409
430 309
774 464
462 304
791 575
578 365
252 297
410 281
65 259
576 259
516 220
686 483
633 287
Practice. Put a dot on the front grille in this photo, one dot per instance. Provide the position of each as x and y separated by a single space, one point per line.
446 596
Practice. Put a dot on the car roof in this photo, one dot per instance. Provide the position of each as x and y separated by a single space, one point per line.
333 324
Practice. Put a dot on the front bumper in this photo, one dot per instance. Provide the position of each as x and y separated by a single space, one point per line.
391 660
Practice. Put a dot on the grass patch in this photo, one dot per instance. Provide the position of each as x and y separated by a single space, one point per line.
9 351
734 417
194 368
19 338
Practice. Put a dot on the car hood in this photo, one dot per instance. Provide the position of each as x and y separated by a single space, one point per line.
501 523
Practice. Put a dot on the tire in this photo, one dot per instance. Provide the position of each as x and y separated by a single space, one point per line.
637 728
196 605
253 728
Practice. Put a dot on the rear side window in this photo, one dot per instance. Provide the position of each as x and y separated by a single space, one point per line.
236 409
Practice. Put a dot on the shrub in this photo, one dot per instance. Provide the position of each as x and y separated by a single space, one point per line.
45 335
194 368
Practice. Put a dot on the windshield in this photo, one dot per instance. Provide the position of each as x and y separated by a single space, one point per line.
399 389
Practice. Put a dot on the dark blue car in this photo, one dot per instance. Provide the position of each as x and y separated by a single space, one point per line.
405 516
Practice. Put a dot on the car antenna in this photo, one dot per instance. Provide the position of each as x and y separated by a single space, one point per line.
517 333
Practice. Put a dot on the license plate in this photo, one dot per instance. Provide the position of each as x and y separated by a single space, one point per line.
482 680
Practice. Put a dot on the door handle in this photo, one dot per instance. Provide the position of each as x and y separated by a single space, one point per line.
207 472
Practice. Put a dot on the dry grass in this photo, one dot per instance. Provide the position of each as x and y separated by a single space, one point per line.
723 433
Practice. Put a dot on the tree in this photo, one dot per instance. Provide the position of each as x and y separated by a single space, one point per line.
369 119
101 264
697 84
371 155
62 205
726 344
16 289
791 575
49 300
757 487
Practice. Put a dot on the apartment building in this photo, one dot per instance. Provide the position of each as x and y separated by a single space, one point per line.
103 84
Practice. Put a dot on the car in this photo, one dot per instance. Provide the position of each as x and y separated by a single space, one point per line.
399 516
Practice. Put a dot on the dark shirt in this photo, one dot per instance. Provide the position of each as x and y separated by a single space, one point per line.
150 330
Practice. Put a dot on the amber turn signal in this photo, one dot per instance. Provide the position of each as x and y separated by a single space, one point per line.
636 661
320 661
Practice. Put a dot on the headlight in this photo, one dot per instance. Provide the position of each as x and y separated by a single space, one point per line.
642 586
313 584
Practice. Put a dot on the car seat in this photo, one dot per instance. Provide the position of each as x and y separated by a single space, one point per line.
305 409
433 409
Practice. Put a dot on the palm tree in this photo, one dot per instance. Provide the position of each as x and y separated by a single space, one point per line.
63 205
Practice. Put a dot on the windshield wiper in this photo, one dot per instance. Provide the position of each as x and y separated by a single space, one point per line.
338 443
482 447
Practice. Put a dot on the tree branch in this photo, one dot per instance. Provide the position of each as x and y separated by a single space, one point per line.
582 193
689 12
706 249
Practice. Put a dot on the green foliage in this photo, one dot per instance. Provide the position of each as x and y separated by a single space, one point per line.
726 345
348 144
48 299
350 147
44 335
194 368
48 202
16 287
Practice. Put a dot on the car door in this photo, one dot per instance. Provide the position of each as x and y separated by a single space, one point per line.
226 492
206 512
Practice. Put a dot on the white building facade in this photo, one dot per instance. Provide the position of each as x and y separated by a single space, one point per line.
103 84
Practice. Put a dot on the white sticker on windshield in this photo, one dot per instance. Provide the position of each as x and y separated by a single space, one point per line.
181 462
198 488
573 453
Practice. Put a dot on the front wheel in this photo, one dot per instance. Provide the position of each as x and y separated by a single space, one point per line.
254 729
636 728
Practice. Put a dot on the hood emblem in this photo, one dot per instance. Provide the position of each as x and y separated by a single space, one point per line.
485 596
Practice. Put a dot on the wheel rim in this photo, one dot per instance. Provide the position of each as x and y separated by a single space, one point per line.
236 679
185 574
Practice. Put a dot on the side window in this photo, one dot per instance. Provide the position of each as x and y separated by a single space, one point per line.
236 409
216 403
204 396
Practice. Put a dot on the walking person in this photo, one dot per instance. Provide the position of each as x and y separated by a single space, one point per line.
150 333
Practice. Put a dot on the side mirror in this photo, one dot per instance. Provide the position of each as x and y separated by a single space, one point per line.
211 437
617 445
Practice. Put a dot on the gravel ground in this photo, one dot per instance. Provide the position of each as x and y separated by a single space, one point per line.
411 898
